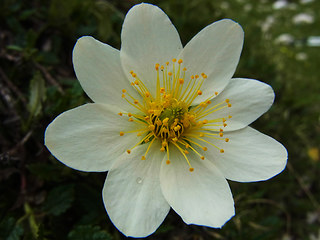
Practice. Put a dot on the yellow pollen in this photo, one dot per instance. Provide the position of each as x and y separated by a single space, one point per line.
180 61
167 63
187 145
191 169
181 81
202 157
174 60
227 139
168 162
196 76
221 150
162 67
157 66
129 115
184 69
208 102
162 149
205 148
121 133
136 82
130 119
216 93
131 72
162 90
199 92
229 105
186 152
170 73
120 113
136 101
147 94
124 91
128 151
123 96
205 121
221 134
224 124
230 116
134 75
143 158
227 100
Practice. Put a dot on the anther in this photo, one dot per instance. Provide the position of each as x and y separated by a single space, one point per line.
130 120
216 93
184 69
180 61
186 152
229 105
227 100
121 133
227 139
151 127
230 116
136 101
157 66
202 157
191 169
162 149
123 96
221 150
136 82
168 161
147 94
205 148
174 60
128 151
134 75
221 134
129 115
205 121
143 158
170 73
162 90
181 81
199 92
120 113
196 76
224 124
124 91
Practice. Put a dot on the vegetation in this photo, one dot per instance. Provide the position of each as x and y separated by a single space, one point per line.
43 199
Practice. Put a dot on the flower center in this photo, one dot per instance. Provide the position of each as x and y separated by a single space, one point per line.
167 115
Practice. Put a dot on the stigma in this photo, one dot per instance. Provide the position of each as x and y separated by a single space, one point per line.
167 115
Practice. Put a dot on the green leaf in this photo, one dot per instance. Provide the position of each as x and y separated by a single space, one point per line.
37 94
88 233
59 199
10 230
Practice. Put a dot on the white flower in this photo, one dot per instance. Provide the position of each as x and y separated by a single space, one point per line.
285 38
303 18
167 122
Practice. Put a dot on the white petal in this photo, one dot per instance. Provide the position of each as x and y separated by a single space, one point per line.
249 99
99 71
87 138
214 51
249 156
132 194
148 37
201 197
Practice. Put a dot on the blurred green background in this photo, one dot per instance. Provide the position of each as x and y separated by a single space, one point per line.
40 198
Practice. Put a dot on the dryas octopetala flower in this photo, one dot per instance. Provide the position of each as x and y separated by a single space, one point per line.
167 122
